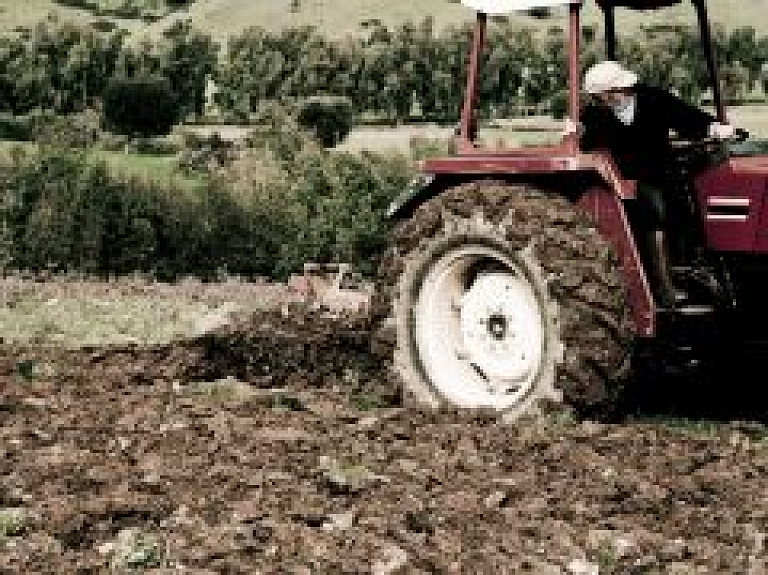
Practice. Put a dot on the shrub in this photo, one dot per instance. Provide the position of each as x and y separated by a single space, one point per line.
15 128
81 4
541 13
321 206
263 216
330 119
105 26
559 104
62 212
205 154
66 214
422 147
277 131
81 130
140 106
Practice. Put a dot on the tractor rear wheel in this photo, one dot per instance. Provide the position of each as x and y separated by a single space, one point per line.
500 296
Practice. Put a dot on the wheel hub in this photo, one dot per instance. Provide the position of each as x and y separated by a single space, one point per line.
500 329
497 326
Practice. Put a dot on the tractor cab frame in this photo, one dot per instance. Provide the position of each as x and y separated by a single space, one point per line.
608 7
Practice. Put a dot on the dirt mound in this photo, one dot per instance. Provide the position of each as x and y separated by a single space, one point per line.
240 452
275 348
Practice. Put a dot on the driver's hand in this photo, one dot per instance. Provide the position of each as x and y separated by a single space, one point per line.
570 128
721 131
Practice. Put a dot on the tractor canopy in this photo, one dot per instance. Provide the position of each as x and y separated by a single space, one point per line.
495 7
637 4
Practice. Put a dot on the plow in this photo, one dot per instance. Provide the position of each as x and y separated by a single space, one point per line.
333 287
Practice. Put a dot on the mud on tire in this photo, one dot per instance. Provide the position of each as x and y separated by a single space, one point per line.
563 334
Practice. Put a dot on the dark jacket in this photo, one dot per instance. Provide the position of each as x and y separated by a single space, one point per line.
642 150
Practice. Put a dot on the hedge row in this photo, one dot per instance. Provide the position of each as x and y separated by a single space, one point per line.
264 216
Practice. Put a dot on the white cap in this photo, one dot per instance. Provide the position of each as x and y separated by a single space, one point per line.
608 75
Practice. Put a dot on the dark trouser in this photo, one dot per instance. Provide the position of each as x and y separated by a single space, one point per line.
650 211
649 215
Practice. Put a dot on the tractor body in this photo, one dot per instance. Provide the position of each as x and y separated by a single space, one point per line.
468 256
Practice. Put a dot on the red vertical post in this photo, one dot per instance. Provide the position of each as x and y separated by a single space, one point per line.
470 94
574 71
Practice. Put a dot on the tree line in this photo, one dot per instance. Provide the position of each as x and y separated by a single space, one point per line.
67 68
416 71
412 71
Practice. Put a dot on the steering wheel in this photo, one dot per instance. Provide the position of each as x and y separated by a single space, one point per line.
697 154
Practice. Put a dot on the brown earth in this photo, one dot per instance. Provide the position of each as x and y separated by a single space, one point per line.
131 458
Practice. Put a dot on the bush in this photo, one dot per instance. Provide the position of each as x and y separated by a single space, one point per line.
330 119
422 147
263 216
541 13
65 213
205 154
559 104
322 206
140 106
14 128
80 4
277 132
105 26
81 130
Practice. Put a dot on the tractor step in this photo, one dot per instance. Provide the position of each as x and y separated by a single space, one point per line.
694 309
689 310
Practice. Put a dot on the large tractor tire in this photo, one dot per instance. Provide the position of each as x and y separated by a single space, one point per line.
499 296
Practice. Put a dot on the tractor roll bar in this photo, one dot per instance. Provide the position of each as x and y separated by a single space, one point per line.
608 7
467 126
467 129
709 54
574 72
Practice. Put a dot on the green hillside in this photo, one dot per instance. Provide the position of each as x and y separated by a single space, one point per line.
222 18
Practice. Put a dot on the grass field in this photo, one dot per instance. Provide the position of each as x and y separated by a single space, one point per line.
156 167
335 18
73 312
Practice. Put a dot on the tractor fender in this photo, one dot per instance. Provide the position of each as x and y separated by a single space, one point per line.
419 190
606 209
599 197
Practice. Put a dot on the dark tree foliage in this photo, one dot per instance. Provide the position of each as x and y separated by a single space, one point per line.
417 71
191 57
330 119
140 106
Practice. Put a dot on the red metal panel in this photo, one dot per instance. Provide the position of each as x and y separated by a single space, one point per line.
608 212
541 160
732 198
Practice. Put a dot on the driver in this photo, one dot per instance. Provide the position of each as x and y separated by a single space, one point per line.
634 122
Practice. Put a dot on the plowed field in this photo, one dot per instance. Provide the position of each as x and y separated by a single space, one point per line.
276 445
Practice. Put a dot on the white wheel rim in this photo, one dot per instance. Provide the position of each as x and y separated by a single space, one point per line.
480 345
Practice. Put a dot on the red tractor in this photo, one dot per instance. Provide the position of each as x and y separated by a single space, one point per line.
514 275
